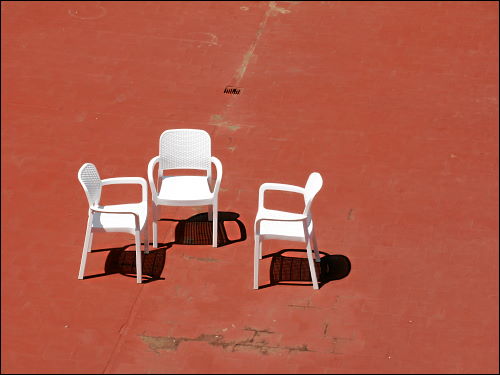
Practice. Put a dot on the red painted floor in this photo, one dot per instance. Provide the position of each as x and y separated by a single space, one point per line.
394 103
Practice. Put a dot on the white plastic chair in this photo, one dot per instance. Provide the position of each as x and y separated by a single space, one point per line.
274 224
129 218
185 149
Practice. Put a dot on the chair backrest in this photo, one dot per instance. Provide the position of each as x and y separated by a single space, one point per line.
185 149
91 182
313 185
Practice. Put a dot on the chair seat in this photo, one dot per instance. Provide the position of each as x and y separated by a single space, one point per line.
185 190
110 222
290 230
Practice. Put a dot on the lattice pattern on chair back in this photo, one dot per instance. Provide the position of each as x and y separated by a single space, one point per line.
185 149
91 182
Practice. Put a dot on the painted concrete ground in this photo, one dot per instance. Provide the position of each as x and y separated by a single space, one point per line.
394 103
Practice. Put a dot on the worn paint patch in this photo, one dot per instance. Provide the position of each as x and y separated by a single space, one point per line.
161 343
218 120
272 9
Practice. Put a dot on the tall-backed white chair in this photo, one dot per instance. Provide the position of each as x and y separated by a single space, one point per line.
185 149
129 217
275 224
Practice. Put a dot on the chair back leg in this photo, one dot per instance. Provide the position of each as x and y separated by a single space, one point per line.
138 256
210 211
146 239
312 269
315 247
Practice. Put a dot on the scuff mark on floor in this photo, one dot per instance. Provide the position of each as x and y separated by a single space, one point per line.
201 259
272 9
87 12
218 120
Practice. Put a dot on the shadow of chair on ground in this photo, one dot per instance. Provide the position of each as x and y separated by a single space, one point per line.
197 230
291 270
122 261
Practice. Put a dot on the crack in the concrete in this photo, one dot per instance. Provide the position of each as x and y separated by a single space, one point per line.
307 306
171 343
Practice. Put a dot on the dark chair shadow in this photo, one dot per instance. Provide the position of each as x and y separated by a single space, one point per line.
289 270
122 261
197 230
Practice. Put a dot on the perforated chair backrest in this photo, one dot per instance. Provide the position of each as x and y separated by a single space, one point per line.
313 185
185 149
91 182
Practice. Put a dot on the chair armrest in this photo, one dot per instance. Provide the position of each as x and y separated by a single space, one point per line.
151 165
93 209
218 168
129 180
275 186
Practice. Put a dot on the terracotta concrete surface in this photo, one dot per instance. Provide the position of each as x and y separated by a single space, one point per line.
394 103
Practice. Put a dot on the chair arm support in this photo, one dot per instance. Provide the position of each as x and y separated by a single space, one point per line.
129 180
136 216
276 186
218 168
151 165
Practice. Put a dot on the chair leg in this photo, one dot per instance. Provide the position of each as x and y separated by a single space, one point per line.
214 225
210 212
138 256
260 249
315 247
87 245
311 265
90 241
256 256
155 225
146 239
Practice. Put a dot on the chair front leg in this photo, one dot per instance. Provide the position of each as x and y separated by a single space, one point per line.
155 225
214 224
256 257
87 245
90 242
260 249
138 256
